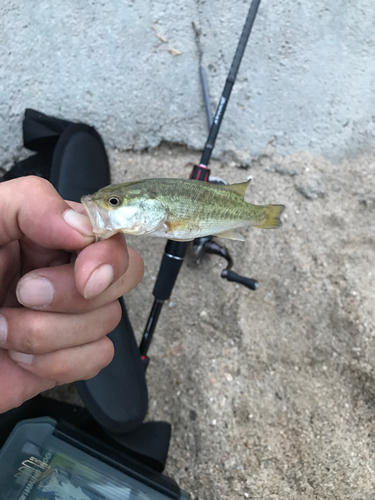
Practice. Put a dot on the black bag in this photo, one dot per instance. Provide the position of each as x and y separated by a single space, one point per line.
72 157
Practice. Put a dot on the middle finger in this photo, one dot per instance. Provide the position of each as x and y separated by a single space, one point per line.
54 288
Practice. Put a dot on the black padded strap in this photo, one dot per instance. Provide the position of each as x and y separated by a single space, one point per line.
40 131
117 397
79 163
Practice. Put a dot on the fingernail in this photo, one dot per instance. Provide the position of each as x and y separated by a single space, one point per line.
21 357
35 292
99 281
3 329
78 221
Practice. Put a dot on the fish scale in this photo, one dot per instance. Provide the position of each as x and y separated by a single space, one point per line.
211 200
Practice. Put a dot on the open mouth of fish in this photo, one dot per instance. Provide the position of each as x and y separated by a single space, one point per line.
106 223
100 220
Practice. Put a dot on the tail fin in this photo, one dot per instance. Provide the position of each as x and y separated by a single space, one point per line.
272 217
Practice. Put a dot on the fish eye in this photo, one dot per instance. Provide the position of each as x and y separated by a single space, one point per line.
114 201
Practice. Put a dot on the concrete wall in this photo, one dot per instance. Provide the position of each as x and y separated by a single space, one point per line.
131 69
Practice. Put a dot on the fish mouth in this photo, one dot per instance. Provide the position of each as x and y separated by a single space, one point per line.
99 219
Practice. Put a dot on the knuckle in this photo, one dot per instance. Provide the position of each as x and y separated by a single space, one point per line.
18 395
114 315
125 283
61 371
65 371
107 352
34 182
106 355
11 400
35 339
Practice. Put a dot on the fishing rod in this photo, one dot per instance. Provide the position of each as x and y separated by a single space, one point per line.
205 244
174 252
206 155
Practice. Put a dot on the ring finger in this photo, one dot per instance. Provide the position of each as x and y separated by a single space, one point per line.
38 332
71 364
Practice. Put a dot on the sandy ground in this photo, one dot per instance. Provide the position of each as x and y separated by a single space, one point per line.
271 393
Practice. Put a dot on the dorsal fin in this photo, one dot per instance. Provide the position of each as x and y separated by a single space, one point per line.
238 188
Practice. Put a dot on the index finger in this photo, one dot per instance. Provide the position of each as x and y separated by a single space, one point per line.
30 206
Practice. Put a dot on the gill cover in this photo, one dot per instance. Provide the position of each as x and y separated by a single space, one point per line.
135 216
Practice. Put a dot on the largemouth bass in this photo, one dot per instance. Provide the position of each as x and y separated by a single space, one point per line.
177 209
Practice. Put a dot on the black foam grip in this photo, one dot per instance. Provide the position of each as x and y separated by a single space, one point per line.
168 273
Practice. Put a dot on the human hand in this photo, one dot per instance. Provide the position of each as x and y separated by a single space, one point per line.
58 291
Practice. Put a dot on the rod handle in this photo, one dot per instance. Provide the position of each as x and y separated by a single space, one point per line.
169 269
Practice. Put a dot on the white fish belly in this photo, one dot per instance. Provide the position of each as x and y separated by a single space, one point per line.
186 234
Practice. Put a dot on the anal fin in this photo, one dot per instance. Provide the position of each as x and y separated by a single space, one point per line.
231 234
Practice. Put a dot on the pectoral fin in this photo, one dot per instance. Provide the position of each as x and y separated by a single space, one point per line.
231 234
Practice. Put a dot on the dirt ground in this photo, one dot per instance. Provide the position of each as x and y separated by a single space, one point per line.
271 393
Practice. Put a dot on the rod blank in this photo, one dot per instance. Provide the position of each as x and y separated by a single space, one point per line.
206 155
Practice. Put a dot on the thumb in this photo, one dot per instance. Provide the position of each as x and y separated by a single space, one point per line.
30 206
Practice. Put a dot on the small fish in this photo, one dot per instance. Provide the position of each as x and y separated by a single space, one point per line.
177 209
